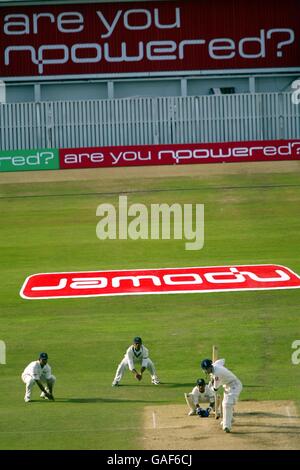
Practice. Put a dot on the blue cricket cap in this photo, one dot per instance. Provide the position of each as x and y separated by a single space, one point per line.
137 340
43 355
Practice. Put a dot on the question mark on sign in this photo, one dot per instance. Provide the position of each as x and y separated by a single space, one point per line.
51 156
296 354
282 43
296 94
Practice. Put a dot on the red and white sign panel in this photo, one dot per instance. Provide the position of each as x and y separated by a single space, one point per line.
159 281
179 154
141 37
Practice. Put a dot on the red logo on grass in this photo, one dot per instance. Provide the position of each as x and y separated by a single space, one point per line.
159 281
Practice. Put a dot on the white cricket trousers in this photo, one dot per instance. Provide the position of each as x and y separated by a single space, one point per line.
30 382
124 365
191 401
231 395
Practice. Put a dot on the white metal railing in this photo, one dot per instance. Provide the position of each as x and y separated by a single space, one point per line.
161 120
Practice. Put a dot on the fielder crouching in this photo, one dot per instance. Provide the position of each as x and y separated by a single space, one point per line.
39 372
201 393
136 355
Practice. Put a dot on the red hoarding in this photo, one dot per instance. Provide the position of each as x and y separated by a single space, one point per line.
159 281
148 37
179 154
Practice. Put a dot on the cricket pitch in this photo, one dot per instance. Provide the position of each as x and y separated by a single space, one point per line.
258 425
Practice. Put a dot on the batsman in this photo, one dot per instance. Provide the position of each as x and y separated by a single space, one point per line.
231 384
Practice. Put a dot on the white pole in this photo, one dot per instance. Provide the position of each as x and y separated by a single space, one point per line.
2 352
2 92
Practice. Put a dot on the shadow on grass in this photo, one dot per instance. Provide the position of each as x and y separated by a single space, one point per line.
106 400
164 384
192 384
178 385
253 386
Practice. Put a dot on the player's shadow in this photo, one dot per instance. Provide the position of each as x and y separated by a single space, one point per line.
106 400
253 386
178 385
271 429
138 384
164 384
262 414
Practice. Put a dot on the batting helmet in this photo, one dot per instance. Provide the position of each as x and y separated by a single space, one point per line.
206 364
201 382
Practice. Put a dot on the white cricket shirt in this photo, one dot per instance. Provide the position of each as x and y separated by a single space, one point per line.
37 372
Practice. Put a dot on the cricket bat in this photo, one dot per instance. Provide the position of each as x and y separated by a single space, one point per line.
218 401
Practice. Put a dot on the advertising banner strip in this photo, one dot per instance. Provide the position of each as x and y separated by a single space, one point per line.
29 160
179 154
159 281
148 37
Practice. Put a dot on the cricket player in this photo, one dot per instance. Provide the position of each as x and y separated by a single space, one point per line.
231 384
39 372
136 354
201 393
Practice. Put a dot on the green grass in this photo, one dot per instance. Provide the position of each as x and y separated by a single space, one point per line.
248 219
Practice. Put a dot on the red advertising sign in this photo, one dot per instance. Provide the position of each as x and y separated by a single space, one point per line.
159 281
179 154
143 37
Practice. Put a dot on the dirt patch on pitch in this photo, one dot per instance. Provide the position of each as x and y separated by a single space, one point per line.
263 425
151 172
